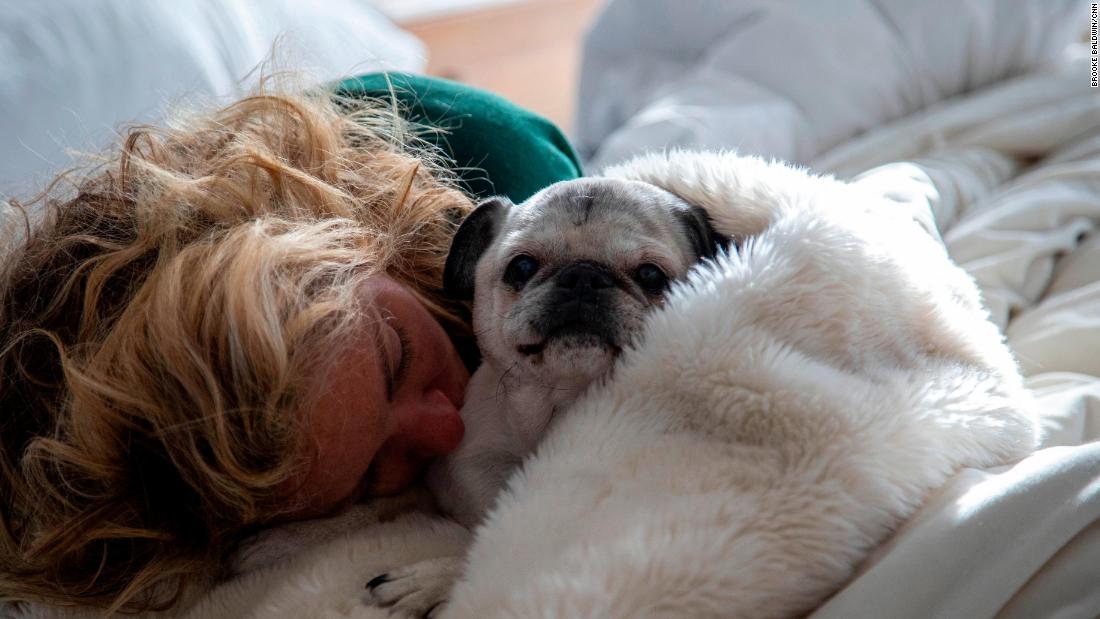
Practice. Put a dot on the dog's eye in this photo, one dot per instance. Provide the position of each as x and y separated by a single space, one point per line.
651 278
519 270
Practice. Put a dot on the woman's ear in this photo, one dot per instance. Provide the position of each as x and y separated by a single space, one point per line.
472 239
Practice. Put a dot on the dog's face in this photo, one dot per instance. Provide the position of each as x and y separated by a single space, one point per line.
561 282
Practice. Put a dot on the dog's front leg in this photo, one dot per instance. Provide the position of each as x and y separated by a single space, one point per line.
417 590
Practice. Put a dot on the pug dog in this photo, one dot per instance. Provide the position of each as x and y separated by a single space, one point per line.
560 285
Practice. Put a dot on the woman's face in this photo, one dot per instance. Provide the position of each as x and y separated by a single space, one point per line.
388 405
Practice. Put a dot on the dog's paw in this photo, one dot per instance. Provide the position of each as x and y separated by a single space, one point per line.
418 590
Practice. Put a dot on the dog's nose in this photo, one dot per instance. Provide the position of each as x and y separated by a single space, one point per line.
584 275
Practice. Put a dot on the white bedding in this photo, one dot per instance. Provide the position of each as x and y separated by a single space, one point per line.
72 69
985 120
1014 183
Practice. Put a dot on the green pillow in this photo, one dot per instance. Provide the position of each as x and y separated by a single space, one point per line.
495 146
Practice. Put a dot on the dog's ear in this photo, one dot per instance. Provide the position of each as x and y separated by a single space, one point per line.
705 240
474 235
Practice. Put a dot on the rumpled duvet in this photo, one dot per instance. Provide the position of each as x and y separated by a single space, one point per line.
980 112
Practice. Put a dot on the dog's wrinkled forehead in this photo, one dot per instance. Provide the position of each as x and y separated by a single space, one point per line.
603 218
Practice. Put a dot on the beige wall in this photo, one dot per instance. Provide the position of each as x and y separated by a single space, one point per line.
527 51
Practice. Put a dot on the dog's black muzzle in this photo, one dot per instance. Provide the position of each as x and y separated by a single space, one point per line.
581 304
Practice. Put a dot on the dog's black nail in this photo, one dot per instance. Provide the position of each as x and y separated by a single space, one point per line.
377 580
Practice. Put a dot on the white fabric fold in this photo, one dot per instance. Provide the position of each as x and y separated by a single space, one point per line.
793 79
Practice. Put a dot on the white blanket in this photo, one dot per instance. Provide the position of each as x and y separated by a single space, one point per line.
1014 184
792 79
987 120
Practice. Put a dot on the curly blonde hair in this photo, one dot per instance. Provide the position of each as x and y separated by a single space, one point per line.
158 328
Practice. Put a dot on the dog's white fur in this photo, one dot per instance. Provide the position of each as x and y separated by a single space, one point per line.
790 406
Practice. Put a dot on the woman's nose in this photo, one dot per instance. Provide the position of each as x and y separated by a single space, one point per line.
432 425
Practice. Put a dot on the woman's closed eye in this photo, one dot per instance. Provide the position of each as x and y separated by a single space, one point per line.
396 374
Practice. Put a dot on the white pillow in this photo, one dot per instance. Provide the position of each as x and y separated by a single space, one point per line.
73 70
